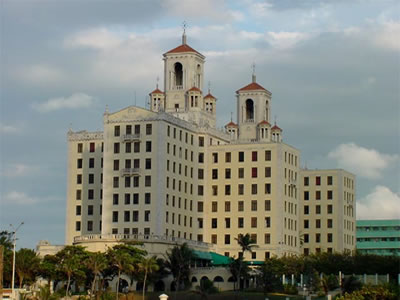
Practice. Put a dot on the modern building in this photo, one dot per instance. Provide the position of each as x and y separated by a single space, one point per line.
166 174
381 237
328 211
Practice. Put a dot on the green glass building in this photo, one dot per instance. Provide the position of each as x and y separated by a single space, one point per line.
381 237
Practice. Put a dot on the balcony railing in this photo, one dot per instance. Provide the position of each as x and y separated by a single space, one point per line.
131 137
131 172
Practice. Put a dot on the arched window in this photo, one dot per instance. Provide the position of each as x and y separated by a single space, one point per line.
178 74
266 111
249 109
198 77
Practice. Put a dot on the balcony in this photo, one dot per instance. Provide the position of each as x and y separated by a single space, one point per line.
131 137
131 172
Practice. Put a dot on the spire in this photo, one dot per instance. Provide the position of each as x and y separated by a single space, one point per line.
209 87
184 26
253 77
158 79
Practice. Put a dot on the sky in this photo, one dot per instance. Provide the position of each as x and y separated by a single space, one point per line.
333 68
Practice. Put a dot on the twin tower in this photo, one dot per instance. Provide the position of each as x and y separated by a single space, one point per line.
183 98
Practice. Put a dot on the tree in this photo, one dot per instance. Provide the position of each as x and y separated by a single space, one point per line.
26 265
247 244
178 262
147 266
96 263
48 268
6 242
238 269
205 288
70 263
270 275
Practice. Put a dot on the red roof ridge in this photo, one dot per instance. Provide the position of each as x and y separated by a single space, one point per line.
264 122
276 128
194 89
209 96
183 48
157 91
252 87
231 124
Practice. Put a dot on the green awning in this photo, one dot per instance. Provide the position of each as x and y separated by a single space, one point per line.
218 259
202 255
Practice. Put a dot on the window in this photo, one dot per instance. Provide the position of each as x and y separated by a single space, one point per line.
240 189
146 215
254 156
136 147
215 190
227 206
306 238
116 182
267 238
91 163
306 224
330 238
213 238
330 209
317 223
306 181
330 180
200 190
127 198
201 157
267 205
147 180
127 216
128 147
116 147
227 173
200 206
116 165
115 199
148 163
267 172
329 195
200 173
317 195
78 194
227 189
214 206
148 146
267 188
240 222
267 155
127 182
253 222
318 180
215 157
115 216
253 205
214 174
135 198
89 225
306 195
91 179
254 189
136 181
228 157
117 130
227 239
254 172
318 238
267 222
92 147
137 129
227 222
79 163
90 194
241 172
199 237
149 129
78 210
79 179
306 210
214 223
241 156
80 148
128 129
240 206
329 223
318 209
201 141
135 216
78 226
147 198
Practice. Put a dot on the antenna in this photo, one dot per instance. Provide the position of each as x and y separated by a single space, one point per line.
231 116
275 120
253 77
209 86
158 79
184 26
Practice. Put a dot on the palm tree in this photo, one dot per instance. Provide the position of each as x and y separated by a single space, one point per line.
121 260
148 266
27 263
247 244
96 262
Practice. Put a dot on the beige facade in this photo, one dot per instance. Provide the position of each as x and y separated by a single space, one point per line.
328 211
167 174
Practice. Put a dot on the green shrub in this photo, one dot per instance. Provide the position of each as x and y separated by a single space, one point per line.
290 289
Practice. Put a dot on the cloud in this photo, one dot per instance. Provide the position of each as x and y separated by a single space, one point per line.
381 203
8 129
75 101
387 35
100 38
364 162
40 74
19 198
17 170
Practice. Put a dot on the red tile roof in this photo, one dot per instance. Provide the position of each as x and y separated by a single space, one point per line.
264 123
276 128
230 124
183 48
252 87
194 89
209 96
157 91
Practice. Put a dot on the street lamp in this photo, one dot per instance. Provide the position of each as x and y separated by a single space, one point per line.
14 243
